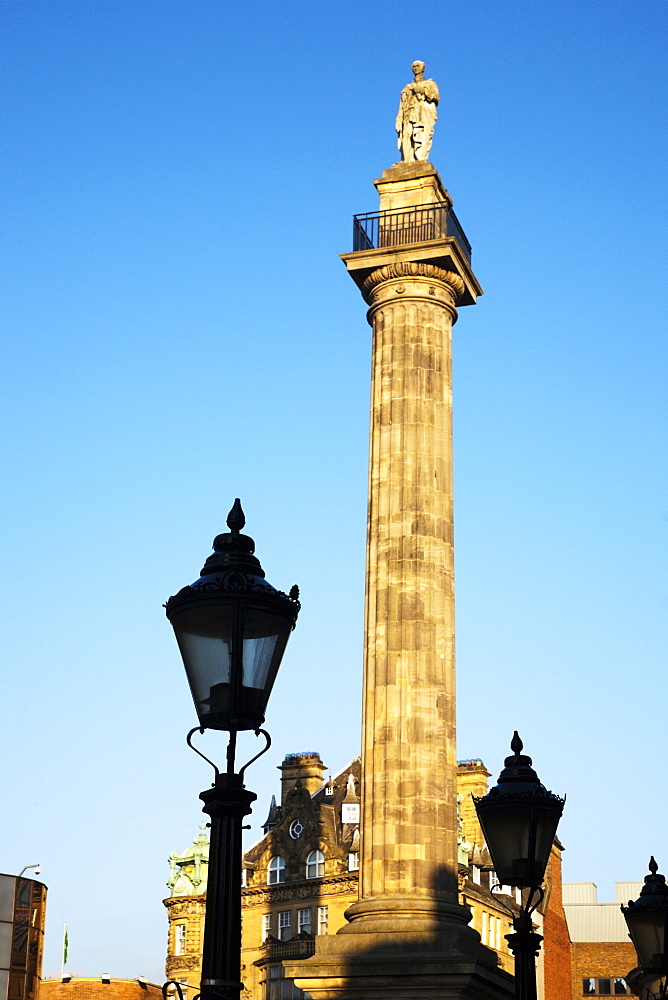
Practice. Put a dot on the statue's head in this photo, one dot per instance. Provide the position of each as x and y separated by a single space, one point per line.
418 67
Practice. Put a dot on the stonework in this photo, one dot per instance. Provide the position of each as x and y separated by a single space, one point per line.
186 910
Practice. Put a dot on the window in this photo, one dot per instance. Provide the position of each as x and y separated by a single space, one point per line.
278 988
266 925
304 921
483 933
354 861
244 877
475 874
274 983
605 986
497 945
315 864
276 871
323 918
284 925
180 939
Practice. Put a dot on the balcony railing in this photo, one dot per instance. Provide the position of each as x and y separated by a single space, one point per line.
297 947
414 225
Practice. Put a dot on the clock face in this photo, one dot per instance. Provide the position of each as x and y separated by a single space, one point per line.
296 829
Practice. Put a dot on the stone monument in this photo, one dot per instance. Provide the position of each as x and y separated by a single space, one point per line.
408 937
416 116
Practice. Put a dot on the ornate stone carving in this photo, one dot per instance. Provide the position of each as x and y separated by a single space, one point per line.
412 269
183 963
416 116
286 892
184 907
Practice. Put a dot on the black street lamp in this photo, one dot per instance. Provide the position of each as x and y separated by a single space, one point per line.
647 921
519 820
232 628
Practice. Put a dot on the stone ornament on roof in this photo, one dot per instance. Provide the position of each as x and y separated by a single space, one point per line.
188 871
416 116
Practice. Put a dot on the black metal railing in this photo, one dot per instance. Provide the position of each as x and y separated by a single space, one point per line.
413 225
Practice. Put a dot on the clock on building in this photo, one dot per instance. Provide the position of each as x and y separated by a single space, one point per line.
296 829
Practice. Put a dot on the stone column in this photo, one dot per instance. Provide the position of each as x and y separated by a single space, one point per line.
409 828
408 937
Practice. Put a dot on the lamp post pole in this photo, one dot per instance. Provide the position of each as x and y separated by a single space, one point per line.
232 628
525 945
519 819
227 802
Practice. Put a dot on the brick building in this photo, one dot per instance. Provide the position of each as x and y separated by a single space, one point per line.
602 954
98 988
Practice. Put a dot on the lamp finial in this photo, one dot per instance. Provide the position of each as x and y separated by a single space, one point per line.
236 519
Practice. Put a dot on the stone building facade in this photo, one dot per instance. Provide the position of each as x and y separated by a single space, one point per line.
185 908
302 875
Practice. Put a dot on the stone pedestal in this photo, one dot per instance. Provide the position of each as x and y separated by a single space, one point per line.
408 936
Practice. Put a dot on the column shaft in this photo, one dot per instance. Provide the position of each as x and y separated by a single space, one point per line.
409 839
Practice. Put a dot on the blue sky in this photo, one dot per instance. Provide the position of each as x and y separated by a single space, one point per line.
178 179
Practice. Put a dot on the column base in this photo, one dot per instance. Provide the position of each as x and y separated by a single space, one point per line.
403 949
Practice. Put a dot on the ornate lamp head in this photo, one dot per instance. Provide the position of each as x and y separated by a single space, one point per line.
519 819
232 628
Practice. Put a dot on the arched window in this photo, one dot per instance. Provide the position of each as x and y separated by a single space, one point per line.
315 864
276 871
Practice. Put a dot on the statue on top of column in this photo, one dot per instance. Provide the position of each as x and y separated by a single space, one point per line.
416 116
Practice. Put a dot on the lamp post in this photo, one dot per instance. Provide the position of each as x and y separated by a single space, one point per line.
647 921
232 628
519 820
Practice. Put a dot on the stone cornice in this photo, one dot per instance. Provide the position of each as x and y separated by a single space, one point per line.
288 891
180 906
412 269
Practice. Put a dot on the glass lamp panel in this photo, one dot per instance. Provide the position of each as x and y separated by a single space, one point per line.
546 818
204 636
265 636
506 829
264 641
648 933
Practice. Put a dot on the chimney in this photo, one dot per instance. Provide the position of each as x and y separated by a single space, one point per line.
306 767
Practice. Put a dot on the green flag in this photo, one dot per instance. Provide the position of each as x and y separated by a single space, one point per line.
65 943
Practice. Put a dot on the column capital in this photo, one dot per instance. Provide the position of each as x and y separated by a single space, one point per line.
409 270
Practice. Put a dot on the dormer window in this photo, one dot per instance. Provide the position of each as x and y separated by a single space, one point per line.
315 864
276 871
354 861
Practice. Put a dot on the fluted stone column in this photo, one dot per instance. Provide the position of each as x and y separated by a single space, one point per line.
407 937
409 828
